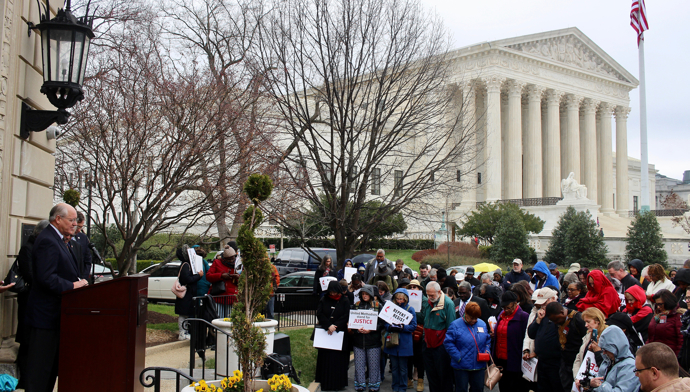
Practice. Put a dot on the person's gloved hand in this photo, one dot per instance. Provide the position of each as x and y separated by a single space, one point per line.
395 328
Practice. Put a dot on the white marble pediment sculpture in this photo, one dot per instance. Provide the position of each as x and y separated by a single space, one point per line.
571 189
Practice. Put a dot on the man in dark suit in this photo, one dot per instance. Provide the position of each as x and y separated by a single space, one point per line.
55 271
465 296
83 241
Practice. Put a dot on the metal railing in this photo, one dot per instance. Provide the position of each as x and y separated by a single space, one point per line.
154 380
669 212
296 309
528 202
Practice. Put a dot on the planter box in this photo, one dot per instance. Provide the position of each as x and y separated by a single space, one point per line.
226 347
258 384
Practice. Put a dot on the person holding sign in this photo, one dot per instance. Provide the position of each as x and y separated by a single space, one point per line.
325 269
333 314
341 273
399 353
367 344
511 326
468 343
595 322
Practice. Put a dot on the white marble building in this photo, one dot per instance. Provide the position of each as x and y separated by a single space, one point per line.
665 185
549 104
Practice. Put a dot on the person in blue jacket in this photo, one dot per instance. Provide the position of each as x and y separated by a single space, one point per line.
617 373
542 276
465 339
399 354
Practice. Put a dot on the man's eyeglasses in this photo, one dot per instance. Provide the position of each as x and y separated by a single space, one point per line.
638 371
569 289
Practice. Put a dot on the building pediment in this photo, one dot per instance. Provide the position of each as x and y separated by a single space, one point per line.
569 47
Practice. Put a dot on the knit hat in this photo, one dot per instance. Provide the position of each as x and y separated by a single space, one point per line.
441 273
499 272
228 253
403 282
508 297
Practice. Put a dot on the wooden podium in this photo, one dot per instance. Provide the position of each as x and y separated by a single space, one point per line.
103 336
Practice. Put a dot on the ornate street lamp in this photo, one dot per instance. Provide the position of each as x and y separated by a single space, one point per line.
65 43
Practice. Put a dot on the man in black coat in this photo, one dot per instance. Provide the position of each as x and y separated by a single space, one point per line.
55 270
83 241
571 330
548 349
465 296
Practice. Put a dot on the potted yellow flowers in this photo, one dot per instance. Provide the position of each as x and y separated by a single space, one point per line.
235 383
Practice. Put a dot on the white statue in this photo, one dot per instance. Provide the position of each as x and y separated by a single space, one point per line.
572 189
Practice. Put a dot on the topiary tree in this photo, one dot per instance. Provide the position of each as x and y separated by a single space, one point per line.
556 251
71 197
576 240
644 240
255 282
510 241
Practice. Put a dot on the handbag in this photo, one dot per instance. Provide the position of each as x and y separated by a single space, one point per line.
481 357
390 339
218 288
14 276
178 289
492 375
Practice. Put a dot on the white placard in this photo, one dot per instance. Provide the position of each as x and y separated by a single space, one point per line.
594 369
416 299
394 314
331 342
349 271
529 369
366 319
324 282
196 261
356 295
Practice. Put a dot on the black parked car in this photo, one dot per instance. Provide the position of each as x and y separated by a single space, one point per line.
294 294
297 259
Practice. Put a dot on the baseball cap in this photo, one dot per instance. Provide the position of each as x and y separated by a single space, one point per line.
545 294
553 266
517 261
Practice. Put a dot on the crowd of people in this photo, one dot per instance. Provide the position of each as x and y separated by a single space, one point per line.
623 328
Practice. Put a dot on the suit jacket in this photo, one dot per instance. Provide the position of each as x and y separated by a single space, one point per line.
55 270
78 254
83 242
483 306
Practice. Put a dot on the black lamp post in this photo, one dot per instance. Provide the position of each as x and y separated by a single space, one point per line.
65 43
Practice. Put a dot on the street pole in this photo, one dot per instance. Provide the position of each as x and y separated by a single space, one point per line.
644 164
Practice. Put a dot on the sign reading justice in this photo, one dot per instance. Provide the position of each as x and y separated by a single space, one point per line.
394 314
366 319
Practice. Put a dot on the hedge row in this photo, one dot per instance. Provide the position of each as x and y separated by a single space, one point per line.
381 243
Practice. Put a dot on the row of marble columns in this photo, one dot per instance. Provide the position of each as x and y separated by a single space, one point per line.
535 136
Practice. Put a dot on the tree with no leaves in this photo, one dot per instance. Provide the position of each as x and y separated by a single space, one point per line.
364 91
681 215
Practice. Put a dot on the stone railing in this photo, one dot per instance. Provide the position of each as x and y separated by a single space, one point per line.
530 202
669 212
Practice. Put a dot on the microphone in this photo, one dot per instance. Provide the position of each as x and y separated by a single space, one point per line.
98 256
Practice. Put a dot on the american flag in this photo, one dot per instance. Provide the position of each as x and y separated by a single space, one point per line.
638 19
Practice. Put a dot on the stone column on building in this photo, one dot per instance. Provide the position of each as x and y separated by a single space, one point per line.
514 141
589 147
469 184
532 168
563 112
606 162
493 138
504 144
622 196
572 136
552 158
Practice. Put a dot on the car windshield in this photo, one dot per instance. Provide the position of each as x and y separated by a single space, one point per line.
290 281
323 252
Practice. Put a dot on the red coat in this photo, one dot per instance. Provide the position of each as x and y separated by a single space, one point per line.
600 295
214 273
667 333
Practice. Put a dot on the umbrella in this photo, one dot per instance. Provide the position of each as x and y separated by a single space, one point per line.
485 267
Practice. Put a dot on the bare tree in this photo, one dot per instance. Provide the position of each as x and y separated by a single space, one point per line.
218 35
366 94
144 129
681 215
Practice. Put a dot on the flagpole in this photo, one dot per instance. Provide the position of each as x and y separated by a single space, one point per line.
644 164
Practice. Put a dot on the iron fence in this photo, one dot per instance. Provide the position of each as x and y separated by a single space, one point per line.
528 202
296 309
668 212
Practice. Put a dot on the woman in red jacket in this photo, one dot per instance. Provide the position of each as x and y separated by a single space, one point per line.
600 294
223 270
665 326
640 313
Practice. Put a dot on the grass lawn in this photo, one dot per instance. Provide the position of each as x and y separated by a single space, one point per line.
162 308
303 354
405 255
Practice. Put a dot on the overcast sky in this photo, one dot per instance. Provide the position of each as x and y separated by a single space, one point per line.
607 23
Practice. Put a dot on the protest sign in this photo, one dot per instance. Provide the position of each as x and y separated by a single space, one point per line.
324 282
593 368
394 314
366 319
331 342
529 369
349 271
416 299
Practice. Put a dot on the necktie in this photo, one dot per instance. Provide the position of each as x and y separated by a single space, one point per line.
461 312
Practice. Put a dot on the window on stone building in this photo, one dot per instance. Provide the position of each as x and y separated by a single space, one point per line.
479 178
458 176
398 185
432 178
353 179
635 206
326 167
376 181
